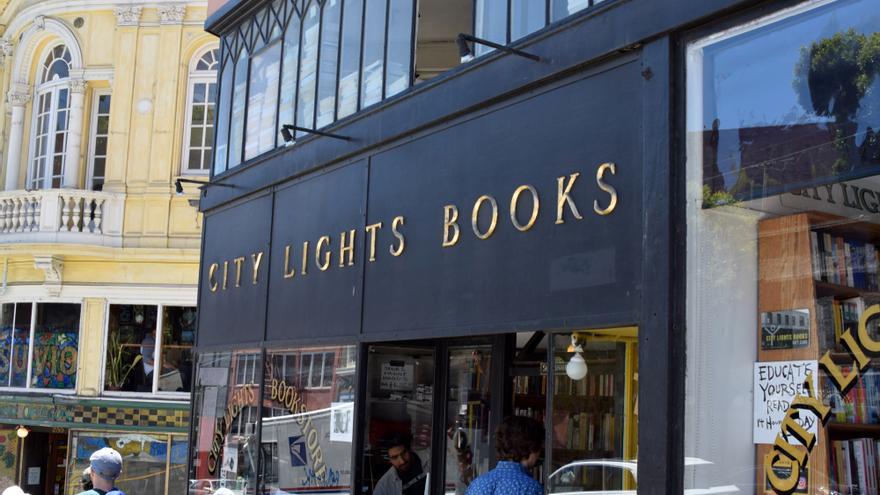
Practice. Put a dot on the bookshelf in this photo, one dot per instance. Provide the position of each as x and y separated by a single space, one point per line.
827 265
592 418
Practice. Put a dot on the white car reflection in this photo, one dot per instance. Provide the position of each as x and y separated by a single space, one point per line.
613 476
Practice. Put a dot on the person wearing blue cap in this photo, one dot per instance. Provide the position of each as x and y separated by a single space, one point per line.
105 465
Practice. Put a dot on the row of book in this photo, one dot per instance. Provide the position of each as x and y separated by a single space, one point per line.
842 261
530 385
593 385
584 431
529 412
836 316
854 466
861 404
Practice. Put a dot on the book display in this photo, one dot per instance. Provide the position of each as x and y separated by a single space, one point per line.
817 275
589 421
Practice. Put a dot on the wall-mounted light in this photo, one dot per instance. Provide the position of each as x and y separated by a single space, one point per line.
576 369
464 50
22 431
290 139
178 186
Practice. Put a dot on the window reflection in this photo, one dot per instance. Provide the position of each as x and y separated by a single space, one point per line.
373 52
815 114
307 427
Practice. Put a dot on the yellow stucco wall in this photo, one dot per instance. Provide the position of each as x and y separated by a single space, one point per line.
150 65
145 67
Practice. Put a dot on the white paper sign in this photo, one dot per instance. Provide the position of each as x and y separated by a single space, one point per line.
33 476
341 421
776 385
396 375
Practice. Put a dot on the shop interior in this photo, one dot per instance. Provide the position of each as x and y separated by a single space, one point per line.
448 396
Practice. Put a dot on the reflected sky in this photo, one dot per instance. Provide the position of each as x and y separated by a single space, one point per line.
748 79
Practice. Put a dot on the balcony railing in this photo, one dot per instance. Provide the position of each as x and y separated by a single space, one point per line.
62 216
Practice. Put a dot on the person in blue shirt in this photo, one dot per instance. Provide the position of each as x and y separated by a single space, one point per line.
519 441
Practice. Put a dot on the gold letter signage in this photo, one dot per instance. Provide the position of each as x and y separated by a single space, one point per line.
328 252
861 347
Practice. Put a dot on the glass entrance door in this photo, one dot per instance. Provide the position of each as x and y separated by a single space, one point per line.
468 400
398 420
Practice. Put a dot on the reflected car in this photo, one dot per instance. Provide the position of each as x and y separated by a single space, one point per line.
614 476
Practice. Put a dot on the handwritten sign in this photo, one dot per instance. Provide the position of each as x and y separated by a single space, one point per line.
776 385
396 375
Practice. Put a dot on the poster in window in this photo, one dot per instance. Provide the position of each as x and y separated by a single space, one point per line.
396 375
341 421
785 329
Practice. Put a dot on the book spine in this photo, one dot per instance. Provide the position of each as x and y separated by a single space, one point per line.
815 256
848 264
830 268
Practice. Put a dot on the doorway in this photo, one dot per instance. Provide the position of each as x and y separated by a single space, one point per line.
45 460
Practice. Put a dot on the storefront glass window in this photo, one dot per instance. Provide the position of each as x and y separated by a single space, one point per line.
594 415
399 416
467 416
782 270
135 351
308 418
150 461
226 402
178 336
53 357
56 339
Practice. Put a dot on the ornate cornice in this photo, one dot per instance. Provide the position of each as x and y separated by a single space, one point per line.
78 85
17 98
6 50
171 14
128 16
52 267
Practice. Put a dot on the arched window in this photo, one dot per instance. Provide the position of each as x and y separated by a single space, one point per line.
51 114
199 133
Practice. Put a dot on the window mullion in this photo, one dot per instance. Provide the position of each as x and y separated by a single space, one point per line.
27 379
12 346
157 354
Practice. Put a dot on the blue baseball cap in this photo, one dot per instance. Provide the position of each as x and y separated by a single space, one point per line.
106 463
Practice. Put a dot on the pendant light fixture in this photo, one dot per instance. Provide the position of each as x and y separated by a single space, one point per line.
576 369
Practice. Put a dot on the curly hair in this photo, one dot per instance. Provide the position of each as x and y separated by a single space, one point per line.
517 437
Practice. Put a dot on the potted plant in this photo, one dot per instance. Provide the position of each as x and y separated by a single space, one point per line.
119 365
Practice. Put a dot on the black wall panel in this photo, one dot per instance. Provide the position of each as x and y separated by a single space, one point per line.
319 303
553 274
235 314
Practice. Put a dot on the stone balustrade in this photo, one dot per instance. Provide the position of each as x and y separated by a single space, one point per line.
62 216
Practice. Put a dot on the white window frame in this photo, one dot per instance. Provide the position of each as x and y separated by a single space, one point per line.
93 135
197 77
308 378
157 353
52 88
28 387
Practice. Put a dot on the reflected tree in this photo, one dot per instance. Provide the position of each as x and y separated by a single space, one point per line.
832 78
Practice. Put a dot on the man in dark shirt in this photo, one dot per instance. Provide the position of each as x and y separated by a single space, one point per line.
406 476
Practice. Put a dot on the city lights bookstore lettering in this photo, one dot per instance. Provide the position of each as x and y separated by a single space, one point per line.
240 397
290 398
319 255
794 443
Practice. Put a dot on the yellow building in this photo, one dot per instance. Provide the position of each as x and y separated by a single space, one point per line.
108 105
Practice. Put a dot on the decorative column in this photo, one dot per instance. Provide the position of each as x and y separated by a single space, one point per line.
74 134
125 56
17 100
